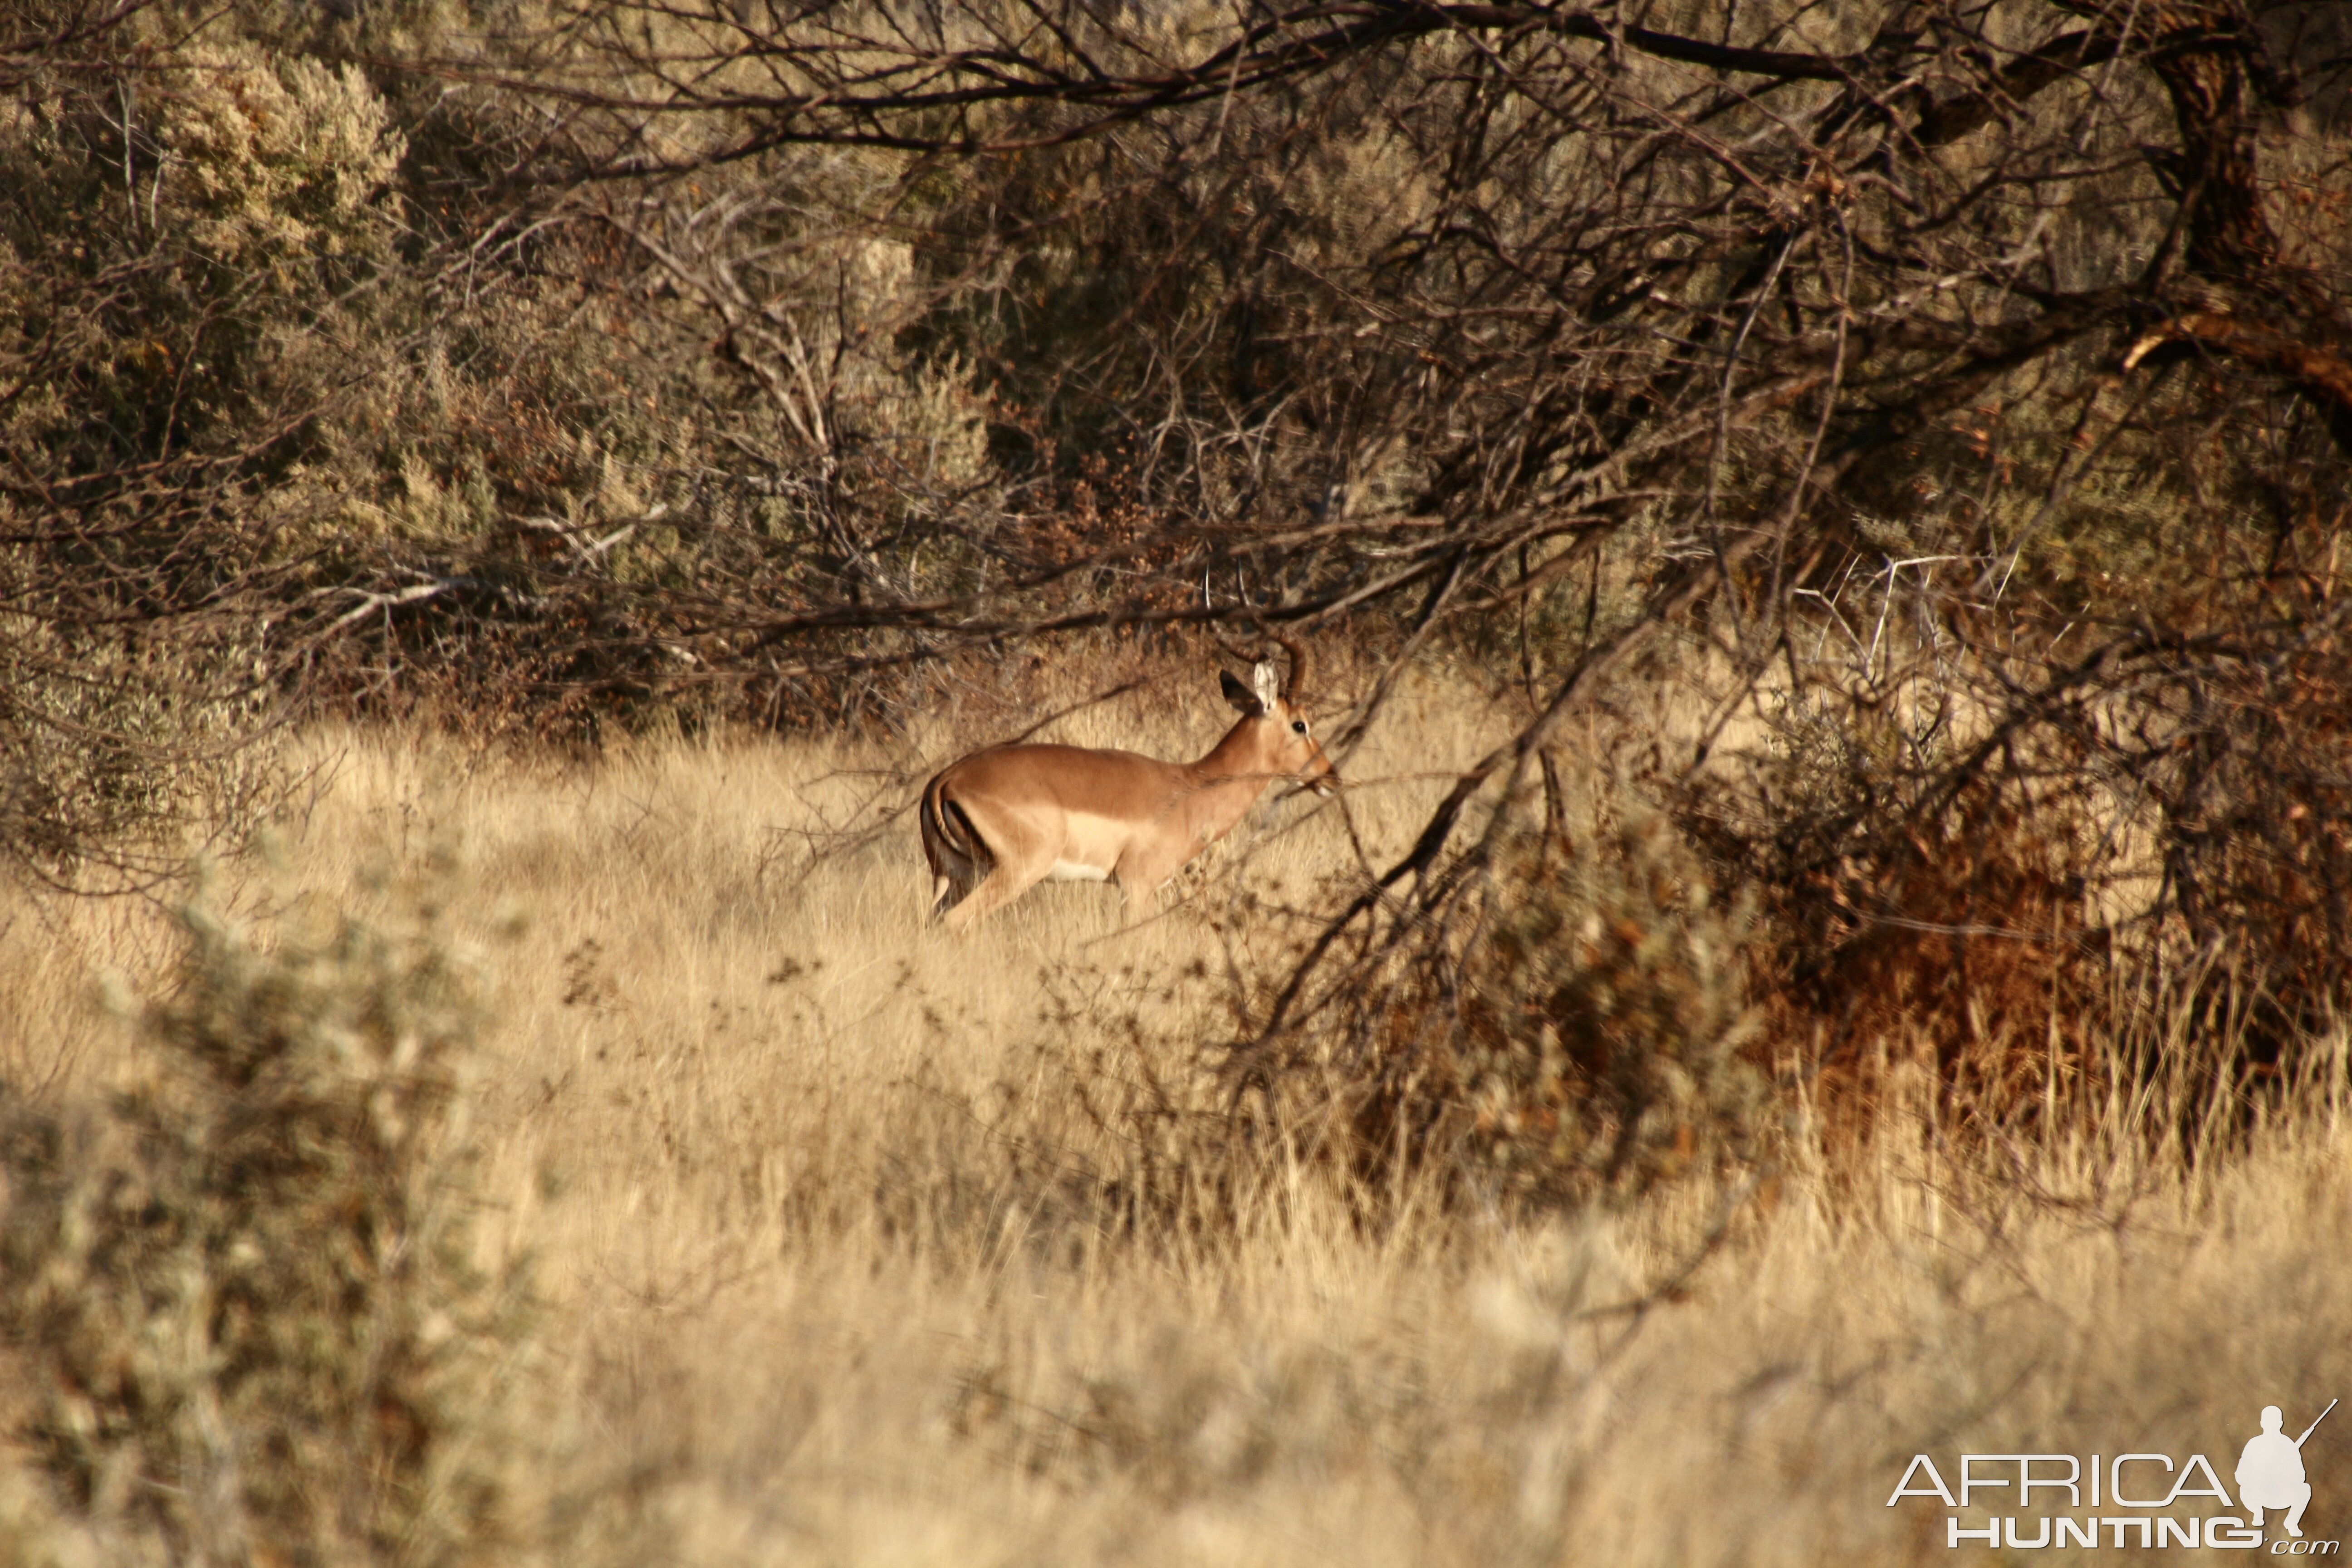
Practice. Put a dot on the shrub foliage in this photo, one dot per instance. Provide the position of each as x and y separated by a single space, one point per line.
238 1306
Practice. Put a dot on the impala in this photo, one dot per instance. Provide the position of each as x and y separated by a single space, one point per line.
1003 820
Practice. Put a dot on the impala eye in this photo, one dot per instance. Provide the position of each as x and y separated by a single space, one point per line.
1298 726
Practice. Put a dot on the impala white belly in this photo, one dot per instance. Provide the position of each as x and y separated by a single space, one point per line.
1076 871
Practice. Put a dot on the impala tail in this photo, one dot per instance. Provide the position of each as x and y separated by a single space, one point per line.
958 857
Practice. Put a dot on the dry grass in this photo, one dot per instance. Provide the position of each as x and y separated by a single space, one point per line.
815 1204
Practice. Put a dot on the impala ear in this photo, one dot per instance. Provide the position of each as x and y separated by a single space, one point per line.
1268 681
1239 695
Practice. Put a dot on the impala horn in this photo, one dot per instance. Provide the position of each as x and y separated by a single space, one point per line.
1297 676
1236 652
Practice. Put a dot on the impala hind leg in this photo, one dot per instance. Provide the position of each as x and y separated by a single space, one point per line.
953 877
1001 887
946 893
977 870
958 858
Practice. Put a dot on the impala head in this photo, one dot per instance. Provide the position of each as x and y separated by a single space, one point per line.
1286 734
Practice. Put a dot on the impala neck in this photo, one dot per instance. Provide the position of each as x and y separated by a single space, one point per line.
1235 773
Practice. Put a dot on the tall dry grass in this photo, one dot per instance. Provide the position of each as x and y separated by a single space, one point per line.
833 1228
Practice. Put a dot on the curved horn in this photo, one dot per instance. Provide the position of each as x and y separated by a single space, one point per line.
1238 654
1297 676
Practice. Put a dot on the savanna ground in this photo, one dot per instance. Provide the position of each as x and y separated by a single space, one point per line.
820 1243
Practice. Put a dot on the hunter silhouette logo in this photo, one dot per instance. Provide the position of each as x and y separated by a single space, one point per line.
2269 1472
2143 1499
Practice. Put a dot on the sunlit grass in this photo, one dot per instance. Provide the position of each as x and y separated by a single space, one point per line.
813 1200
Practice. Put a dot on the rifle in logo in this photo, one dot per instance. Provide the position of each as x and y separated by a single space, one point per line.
2270 1471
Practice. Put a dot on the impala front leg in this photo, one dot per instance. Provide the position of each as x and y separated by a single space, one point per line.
1143 873
1140 899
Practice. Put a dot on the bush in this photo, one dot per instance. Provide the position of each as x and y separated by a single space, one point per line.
237 1297
1577 1039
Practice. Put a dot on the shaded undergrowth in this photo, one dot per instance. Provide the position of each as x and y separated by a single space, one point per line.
240 1309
